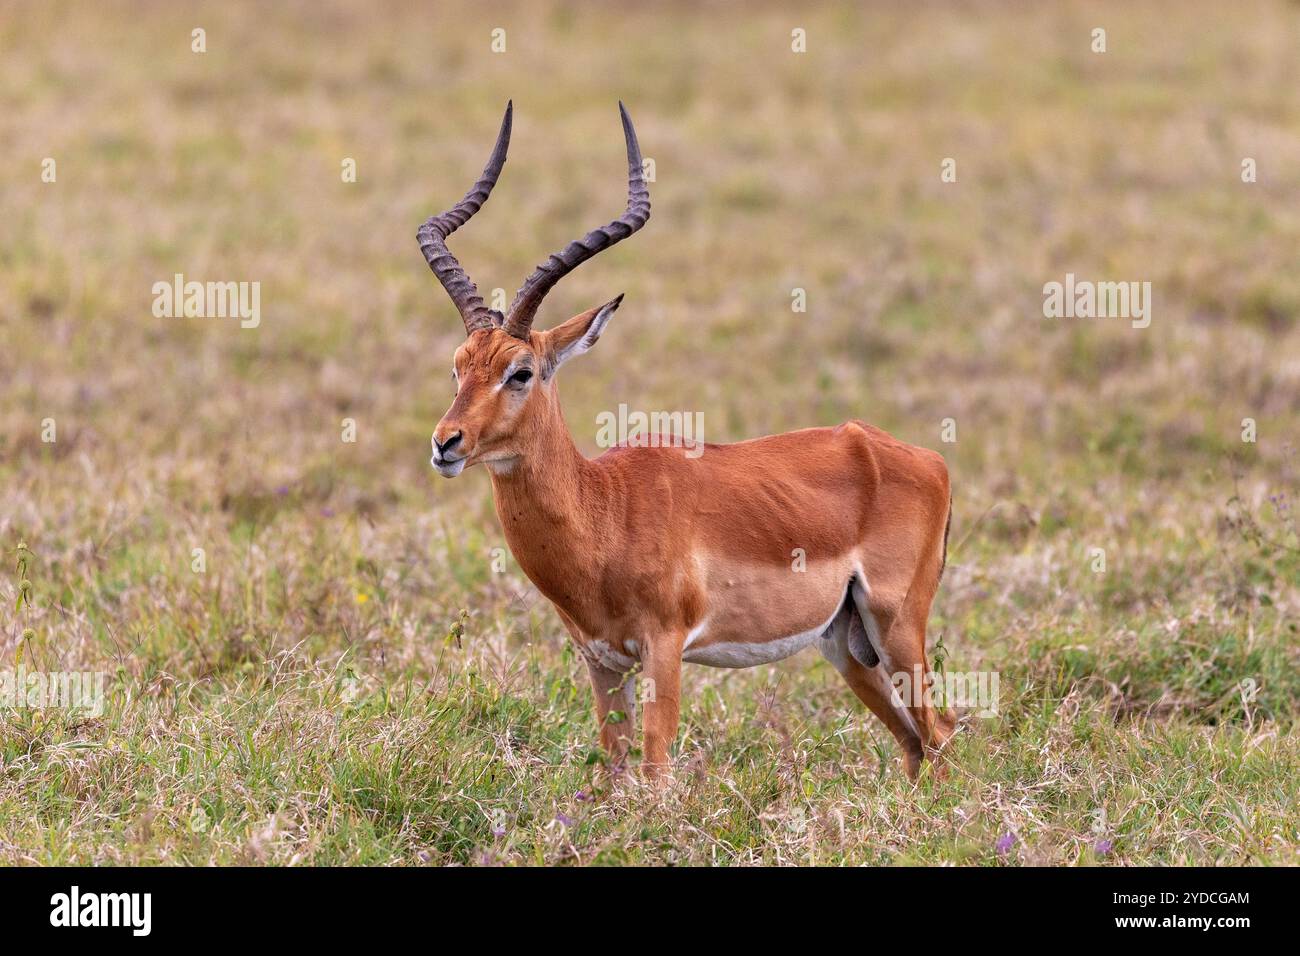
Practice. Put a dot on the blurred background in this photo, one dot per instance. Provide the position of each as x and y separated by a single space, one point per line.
339 562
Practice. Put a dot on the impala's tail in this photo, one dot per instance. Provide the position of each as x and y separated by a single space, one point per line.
943 559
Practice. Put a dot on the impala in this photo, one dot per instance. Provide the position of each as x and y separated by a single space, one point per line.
742 555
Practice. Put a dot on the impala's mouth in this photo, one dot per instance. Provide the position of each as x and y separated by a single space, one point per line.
446 466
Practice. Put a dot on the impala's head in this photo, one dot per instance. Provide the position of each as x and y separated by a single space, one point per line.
504 371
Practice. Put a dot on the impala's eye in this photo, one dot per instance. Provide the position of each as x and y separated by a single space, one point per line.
521 377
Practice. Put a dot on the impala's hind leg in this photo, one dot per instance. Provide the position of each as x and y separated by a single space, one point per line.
939 722
847 646
899 639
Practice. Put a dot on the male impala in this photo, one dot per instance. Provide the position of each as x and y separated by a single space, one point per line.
652 556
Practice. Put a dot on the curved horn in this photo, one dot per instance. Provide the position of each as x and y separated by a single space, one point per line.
433 235
535 287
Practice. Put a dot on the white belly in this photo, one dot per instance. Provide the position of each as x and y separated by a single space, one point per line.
746 653
756 614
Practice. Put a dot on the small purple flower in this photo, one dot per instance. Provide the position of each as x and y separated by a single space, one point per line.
498 832
564 819
582 796
1102 847
282 490
1005 843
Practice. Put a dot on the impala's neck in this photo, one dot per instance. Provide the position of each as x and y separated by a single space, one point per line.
550 501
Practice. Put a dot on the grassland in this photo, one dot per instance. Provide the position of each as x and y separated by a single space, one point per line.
349 680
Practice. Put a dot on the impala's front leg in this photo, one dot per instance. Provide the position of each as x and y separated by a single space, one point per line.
662 674
615 693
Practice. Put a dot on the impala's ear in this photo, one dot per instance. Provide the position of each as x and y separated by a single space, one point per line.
576 335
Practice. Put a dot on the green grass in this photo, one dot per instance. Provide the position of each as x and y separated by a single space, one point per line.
350 680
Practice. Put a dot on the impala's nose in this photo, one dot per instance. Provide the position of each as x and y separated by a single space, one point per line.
442 447
445 459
